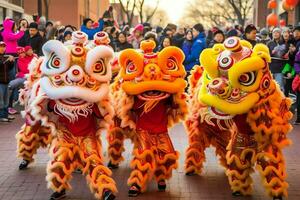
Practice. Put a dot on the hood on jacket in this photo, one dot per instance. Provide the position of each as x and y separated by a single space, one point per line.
8 25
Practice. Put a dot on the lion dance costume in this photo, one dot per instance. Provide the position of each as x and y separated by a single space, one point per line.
237 107
31 136
72 99
148 98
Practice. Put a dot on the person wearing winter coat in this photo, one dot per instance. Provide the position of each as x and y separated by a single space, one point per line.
11 36
6 65
87 27
199 44
136 36
219 38
188 43
277 50
122 42
33 38
250 34
25 57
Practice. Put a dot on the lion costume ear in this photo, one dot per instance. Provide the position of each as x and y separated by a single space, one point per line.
57 58
132 64
262 51
208 59
172 56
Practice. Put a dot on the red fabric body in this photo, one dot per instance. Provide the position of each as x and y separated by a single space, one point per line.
84 126
155 121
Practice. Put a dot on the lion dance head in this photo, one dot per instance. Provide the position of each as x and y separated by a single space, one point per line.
74 76
235 77
151 77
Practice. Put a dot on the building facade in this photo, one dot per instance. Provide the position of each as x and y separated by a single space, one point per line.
11 8
69 11
261 12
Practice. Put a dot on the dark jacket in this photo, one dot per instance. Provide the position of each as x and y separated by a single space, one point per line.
212 43
253 42
36 42
178 40
277 51
192 59
187 47
122 46
5 68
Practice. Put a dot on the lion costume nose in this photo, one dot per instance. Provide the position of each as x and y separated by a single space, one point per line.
218 86
75 73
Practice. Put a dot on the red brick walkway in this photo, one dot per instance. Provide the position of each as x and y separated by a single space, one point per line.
212 185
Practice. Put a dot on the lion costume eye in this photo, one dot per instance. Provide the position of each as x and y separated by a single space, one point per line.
99 67
130 68
53 62
247 79
57 58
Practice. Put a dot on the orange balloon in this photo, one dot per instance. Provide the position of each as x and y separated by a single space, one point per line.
282 23
286 6
292 3
272 19
272 4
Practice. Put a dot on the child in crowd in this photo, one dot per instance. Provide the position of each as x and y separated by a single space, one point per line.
6 65
25 57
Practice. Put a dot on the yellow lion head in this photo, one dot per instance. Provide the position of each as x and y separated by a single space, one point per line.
235 77
152 76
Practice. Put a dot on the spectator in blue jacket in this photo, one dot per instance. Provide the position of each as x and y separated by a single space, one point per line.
87 27
199 43
188 42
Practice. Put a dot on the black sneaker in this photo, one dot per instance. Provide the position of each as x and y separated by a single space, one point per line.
77 171
11 118
161 185
134 191
297 122
112 166
277 198
4 120
108 195
23 165
192 173
58 195
237 194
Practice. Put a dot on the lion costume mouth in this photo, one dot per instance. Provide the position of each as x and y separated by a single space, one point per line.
153 95
73 92
174 87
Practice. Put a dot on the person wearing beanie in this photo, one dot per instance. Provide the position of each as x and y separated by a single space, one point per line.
250 34
33 39
277 51
219 37
264 36
23 67
199 43
87 27
136 36
233 33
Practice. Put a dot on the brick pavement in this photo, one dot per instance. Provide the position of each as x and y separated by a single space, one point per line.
212 185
